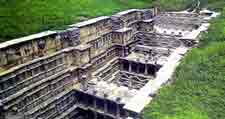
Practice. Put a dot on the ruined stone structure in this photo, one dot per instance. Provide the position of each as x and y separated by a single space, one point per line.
103 68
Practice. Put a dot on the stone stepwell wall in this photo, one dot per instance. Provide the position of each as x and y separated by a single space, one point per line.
35 71
22 50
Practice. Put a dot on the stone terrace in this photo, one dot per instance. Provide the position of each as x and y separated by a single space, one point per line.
108 67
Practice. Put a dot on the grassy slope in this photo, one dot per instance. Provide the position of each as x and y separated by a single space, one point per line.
23 17
198 89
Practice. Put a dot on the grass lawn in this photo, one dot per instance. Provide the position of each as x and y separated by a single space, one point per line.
23 17
198 89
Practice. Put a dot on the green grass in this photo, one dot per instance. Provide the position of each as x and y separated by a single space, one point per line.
198 89
23 17
213 4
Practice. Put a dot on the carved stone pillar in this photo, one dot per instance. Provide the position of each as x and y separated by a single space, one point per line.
95 115
146 69
95 106
94 101
138 67
117 111
105 104
126 51
84 82
129 63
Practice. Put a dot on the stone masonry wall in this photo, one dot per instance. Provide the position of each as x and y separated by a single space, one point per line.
38 71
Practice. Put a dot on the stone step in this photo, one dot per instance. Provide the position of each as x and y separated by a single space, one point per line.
43 105
67 112
24 91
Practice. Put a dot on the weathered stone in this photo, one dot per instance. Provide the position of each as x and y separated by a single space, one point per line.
118 55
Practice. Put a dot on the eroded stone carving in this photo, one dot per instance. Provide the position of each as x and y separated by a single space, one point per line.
94 69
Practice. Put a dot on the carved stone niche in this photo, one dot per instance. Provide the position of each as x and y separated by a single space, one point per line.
11 56
123 35
26 52
147 14
69 37
83 54
146 25
117 22
41 45
3 60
